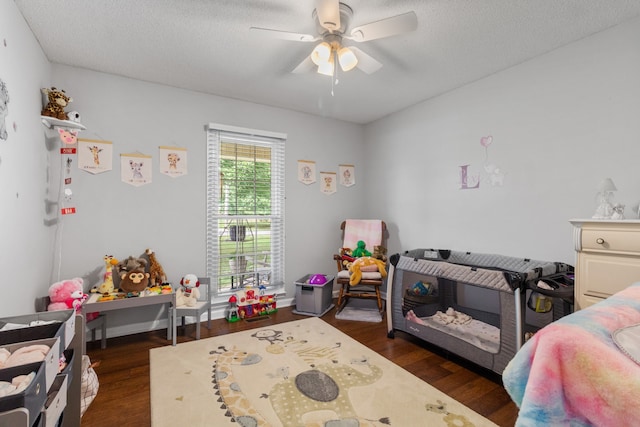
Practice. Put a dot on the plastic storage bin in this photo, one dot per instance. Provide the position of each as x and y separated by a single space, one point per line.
313 299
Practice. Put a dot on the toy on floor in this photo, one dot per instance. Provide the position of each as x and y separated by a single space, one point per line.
188 293
233 315
57 101
156 272
251 303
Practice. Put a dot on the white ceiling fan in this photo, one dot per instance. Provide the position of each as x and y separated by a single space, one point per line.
332 20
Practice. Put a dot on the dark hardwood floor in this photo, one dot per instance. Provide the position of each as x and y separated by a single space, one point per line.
123 398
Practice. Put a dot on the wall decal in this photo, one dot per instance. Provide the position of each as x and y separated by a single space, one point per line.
347 175
306 171
494 175
328 180
4 109
95 155
173 161
135 169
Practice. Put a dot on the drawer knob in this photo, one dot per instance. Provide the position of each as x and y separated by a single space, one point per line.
600 240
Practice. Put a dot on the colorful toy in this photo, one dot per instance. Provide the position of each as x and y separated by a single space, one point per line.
360 250
232 314
57 101
247 303
317 279
107 286
156 272
188 293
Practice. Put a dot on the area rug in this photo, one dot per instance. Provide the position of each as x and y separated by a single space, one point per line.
300 373
360 314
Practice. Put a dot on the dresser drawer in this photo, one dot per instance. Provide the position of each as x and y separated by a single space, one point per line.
611 240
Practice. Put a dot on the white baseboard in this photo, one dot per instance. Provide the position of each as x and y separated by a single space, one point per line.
217 312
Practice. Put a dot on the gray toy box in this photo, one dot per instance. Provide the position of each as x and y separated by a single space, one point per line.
312 299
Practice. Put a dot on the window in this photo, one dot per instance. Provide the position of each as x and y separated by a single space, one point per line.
245 208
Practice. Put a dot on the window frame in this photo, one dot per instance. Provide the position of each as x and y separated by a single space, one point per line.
216 135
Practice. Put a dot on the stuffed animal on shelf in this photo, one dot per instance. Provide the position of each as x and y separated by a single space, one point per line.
156 272
67 295
188 293
57 100
360 250
107 286
134 281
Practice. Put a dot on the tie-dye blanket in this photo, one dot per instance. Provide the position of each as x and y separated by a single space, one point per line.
571 373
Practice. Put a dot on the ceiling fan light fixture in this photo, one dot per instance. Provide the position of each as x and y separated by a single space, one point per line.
327 67
321 53
347 59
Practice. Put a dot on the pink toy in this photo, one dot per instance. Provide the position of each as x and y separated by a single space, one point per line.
68 294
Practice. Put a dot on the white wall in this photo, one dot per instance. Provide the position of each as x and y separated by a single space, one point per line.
560 124
168 215
26 232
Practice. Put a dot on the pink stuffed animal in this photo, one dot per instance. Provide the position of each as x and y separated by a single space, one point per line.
68 294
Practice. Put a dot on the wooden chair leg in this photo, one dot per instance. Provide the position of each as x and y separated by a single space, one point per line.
198 328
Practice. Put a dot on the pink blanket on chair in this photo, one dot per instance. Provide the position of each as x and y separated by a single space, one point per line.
367 230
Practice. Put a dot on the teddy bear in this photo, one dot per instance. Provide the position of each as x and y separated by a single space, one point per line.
68 294
188 293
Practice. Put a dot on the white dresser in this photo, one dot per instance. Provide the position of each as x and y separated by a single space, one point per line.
607 258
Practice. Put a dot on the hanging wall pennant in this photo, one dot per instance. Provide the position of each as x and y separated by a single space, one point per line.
328 182
135 169
94 155
347 175
173 161
306 171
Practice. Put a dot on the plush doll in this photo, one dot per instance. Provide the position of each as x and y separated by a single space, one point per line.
57 101
107 286
360 250
134 281
68 294
157 275
380 252
365 264
188 293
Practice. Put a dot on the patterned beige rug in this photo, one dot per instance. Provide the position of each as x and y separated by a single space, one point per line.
301 373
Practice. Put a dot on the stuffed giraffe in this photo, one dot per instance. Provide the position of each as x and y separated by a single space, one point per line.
156 272
107 286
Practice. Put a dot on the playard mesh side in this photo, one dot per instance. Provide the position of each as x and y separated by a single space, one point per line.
452 270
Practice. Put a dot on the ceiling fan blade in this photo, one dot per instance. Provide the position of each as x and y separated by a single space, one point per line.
404 23
305 66
284 35
366 62
328 12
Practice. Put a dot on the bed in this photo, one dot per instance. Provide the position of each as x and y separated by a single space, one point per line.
579 370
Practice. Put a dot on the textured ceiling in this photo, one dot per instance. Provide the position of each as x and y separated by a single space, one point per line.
206 45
